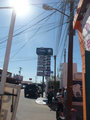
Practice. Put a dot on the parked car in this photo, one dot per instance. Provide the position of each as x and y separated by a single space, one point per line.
32 91
23 86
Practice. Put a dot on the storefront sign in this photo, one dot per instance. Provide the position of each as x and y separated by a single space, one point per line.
86 29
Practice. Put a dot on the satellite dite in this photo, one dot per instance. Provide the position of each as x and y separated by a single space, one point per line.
9 93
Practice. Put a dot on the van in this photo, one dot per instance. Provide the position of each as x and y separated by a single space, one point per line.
32 91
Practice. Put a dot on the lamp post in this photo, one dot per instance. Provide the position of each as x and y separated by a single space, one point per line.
70 58
47 7
54 76
8 48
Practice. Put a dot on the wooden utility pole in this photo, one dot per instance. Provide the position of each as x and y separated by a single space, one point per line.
70 63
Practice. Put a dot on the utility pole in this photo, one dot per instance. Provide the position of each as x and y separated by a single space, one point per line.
8 49
65 55
54 76
70 63
43 83
43 75
20 68
6 59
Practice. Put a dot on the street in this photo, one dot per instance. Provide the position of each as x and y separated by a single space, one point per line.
28 109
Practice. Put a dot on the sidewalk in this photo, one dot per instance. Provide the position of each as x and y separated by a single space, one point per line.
77 114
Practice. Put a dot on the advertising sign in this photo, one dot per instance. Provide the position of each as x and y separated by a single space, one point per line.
82 24
9 102
44 51
77 92
43 67
86 29
44 61
86 38
40 73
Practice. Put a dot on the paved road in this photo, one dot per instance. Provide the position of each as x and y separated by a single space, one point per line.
29 110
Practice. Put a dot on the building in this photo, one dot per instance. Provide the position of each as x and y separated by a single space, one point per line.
14 79
62 74
9 74
77 82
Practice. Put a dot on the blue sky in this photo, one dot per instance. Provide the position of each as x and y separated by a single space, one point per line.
33 31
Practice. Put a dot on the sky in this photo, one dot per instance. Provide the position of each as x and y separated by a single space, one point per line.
37 28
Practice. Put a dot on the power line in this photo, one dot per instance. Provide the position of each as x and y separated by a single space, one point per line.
29 27
24 44
27 24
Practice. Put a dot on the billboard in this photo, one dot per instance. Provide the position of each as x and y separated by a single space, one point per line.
77 98
86 29
44 51
43 67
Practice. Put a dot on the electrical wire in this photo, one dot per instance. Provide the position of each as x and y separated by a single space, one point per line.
30 26
24 45
63 44
19 32
22 27
60 28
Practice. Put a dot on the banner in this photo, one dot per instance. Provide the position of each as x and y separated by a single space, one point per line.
77 93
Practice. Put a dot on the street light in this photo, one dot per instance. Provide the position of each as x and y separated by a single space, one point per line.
70 56
47 7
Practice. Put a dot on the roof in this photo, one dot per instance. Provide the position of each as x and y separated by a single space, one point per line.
26 82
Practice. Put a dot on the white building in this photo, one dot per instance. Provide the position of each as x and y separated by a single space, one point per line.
62 74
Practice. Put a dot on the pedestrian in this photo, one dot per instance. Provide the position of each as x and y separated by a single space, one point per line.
65 95
50 96
60 104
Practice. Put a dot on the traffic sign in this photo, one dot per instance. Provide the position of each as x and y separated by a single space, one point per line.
40 74
41 68
44 51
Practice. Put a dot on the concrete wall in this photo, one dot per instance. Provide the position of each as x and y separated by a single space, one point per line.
65 72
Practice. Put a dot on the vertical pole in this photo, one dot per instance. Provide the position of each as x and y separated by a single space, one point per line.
6 59
55 77
42 83
20 68
65 55
70 64
7 54
47 79
43 75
